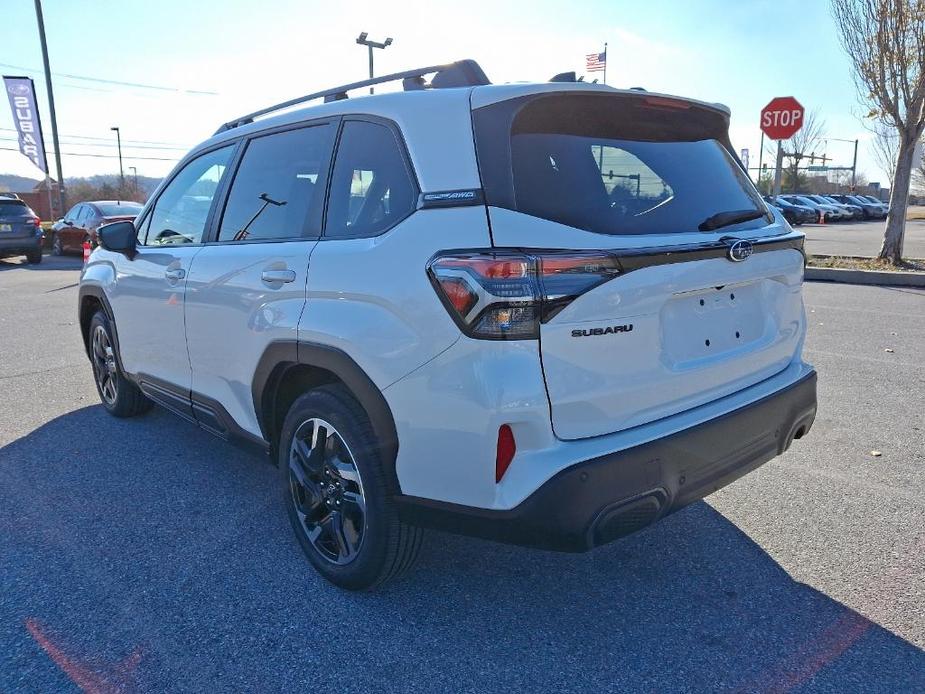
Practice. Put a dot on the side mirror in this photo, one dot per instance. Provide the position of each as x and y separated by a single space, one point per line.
118 237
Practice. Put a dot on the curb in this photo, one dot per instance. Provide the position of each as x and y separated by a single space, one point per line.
874 277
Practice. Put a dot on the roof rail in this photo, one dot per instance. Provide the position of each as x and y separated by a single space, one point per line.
462 73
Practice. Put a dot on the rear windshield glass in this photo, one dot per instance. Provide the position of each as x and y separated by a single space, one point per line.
13 207
619 168
125 208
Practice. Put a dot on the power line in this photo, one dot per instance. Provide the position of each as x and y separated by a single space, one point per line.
108 139
106 144
99 156
100 80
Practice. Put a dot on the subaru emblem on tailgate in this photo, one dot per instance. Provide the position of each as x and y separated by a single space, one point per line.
740 251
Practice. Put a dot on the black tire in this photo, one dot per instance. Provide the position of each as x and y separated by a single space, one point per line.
57 247
118 394
383 547
34 257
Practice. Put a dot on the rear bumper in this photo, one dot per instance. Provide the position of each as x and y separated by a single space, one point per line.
20 244
599 500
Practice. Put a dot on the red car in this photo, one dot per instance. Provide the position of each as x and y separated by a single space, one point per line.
82 221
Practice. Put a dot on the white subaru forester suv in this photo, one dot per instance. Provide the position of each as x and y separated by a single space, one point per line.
547 314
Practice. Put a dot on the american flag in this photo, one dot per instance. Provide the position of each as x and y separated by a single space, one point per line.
596 62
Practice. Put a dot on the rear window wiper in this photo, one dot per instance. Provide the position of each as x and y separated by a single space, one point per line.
725 219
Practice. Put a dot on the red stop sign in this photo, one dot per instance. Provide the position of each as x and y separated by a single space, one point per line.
781 118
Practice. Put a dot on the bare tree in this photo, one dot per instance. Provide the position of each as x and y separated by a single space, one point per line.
805 141
885 41
885 145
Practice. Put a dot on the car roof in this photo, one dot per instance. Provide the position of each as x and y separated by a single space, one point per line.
425 117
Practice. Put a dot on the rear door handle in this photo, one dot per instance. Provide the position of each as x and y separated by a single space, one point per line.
278 276
175 274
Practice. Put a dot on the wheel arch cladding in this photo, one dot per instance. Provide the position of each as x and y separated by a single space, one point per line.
90 300
289 368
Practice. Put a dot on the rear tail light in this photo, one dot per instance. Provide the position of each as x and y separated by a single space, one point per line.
37 222
506 295
507 447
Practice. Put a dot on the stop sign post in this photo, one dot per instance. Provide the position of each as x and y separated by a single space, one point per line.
780 120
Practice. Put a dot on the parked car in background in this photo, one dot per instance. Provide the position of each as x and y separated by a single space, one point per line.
846 213
82 221
794 214
828 213
877 201
11 196
20 230
856 211
868 209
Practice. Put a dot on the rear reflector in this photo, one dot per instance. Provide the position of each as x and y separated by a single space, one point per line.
507 447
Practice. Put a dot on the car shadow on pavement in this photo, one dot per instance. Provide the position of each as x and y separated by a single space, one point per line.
49 262
145 553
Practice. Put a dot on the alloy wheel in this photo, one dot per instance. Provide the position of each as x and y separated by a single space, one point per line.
104 365
327 491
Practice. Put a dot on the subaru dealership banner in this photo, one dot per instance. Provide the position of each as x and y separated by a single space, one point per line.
21 93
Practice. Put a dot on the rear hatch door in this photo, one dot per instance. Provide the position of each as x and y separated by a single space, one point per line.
16 220
707 299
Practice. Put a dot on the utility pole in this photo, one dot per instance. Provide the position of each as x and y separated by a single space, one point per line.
777 169
760 160
51 103
854 168
854 162
363 41
119 144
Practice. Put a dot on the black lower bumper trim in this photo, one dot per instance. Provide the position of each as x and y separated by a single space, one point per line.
599 500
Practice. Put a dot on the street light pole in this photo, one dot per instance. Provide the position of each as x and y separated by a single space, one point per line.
51 102
363 41
119 144
854 168
854 161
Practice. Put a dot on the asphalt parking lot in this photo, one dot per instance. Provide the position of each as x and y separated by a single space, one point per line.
860 238
146 555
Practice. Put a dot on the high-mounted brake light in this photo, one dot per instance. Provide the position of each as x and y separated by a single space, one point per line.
662 102
506 295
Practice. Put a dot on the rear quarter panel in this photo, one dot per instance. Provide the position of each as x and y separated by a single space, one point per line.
372 298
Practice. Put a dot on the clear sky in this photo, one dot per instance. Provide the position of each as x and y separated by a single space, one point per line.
251 54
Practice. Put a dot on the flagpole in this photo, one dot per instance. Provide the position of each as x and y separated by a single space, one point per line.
605 62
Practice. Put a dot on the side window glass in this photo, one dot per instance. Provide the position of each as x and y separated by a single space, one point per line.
278 190
181 211
71 215
371 188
